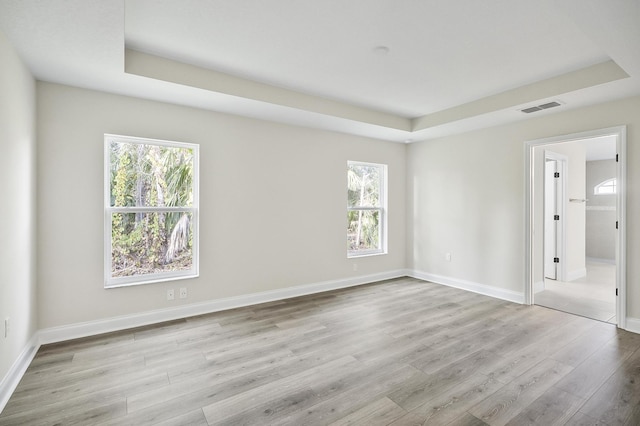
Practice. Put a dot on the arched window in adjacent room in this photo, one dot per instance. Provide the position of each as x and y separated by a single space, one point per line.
606 187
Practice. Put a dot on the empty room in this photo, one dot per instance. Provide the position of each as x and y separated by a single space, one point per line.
319 212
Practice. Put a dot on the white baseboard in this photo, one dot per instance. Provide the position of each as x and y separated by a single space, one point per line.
91 328
633 325
538 286
74 331
576 273
499 293
17 370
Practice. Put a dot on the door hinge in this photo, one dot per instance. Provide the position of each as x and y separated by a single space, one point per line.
556 174
616 291
616 224
556 217
556 260
616 158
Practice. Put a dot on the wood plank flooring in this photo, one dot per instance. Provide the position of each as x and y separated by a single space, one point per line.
399 352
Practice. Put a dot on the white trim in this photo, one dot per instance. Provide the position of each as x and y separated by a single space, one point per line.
365 209
529 279
153 279
633 325
538 286
91 328
575 274
621 246
382 207
366 253
125 281
601 208
73 331
600 260
620 132
17 370
151 209
498 293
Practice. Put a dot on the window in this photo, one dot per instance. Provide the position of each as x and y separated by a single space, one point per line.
366 208
606 187
151 210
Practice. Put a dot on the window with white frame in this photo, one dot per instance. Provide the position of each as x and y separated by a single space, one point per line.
366 208
606 187
151 210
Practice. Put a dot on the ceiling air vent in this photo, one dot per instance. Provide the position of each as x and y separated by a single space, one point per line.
531 109
541 107
549 105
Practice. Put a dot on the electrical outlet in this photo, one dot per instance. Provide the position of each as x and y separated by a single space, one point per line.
170 294
448 257
183 292
7 325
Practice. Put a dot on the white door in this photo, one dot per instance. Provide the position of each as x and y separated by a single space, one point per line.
550 219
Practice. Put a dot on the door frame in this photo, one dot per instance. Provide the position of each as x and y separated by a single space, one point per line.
561 195
620 133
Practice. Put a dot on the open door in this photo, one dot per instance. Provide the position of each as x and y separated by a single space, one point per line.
554 190
551 218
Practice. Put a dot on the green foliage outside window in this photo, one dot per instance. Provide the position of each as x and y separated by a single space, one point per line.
364 207
145 179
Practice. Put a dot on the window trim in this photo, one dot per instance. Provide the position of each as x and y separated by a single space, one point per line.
111 282
382 208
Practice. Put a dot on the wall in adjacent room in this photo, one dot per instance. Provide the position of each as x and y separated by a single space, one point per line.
601 212
272 203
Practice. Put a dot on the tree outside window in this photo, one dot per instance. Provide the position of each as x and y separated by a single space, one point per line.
366 216
151 212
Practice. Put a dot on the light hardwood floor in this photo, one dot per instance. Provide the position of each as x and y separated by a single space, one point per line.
592 296
400 352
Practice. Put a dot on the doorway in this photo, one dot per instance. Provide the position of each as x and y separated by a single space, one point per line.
562 270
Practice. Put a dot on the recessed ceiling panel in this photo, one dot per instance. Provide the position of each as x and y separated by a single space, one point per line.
392 70
437 54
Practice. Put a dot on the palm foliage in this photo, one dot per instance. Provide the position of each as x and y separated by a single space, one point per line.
145 179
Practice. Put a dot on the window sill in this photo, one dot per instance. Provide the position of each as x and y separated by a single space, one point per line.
365 254
153 280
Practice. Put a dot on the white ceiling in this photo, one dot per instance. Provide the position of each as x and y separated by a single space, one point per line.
451 66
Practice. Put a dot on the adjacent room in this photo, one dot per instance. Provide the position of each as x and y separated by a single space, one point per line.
287 213
587 199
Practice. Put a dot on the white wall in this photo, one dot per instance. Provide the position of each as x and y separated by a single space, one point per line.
273 203
601 213
466 196
17 215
